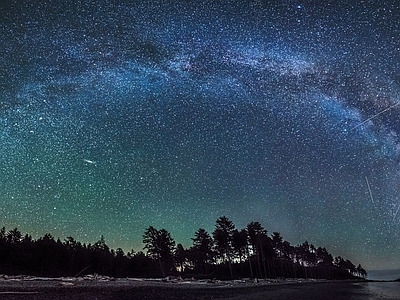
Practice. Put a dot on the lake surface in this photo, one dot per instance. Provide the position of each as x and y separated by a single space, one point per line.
380 290
384 274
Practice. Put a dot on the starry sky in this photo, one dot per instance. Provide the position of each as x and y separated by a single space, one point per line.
120 115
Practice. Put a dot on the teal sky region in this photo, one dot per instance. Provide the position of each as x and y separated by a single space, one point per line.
116 116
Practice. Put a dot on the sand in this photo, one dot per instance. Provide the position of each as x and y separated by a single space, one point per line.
138 289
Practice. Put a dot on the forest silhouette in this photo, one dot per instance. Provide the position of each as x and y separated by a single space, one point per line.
226 253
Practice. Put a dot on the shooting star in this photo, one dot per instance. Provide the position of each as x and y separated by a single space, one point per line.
89 161
395 215
374 116
369 189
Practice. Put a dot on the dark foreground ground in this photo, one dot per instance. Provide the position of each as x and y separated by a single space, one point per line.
124 290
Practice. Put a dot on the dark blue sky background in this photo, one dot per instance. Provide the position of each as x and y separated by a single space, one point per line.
115 117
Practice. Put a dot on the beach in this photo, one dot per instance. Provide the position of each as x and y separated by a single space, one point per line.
124 289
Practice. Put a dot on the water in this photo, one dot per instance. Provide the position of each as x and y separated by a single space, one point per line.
380 290
383 290
384 275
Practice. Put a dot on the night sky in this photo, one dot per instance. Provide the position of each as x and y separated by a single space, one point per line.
115 117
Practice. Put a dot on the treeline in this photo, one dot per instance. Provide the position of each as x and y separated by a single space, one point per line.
225 253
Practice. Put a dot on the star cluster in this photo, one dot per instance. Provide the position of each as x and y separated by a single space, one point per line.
117 117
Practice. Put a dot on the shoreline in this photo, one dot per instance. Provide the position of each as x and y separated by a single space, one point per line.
134 288
93 280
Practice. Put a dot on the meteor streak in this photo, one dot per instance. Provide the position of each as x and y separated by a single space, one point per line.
395 215
369 189
89 161
374 116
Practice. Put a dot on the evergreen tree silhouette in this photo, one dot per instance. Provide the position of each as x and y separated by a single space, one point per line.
257 235
160 246
273 256
201 252
223 235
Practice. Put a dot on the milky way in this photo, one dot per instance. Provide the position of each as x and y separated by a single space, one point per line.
117 117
